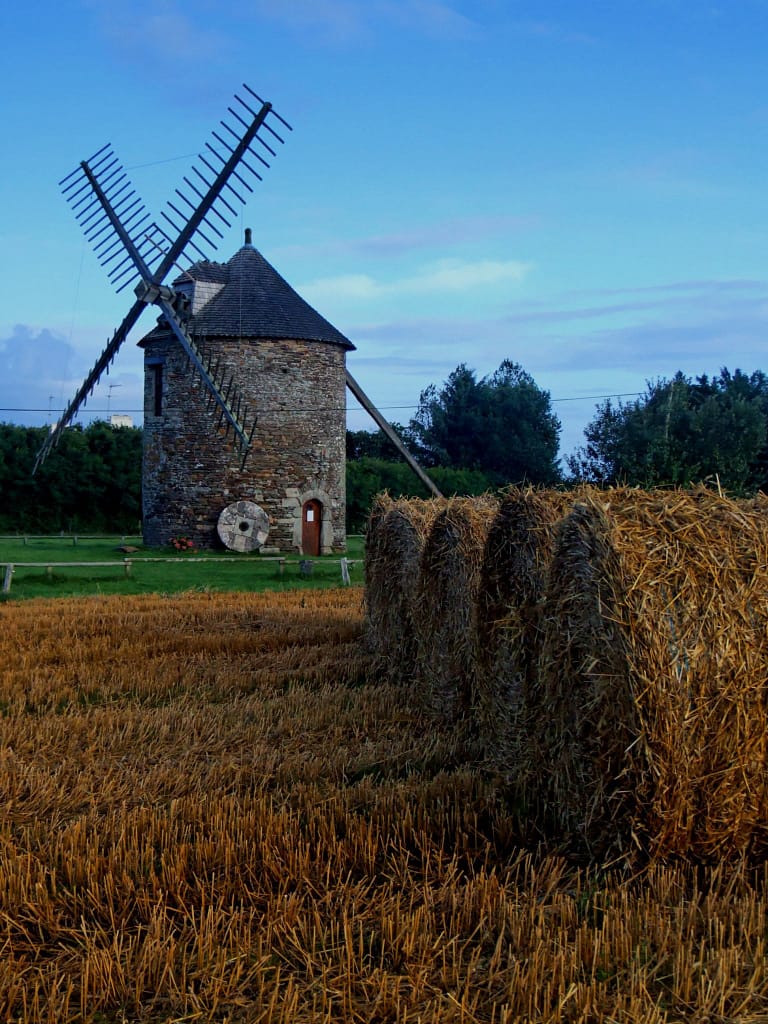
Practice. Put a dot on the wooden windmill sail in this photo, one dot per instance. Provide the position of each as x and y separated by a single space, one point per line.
138 250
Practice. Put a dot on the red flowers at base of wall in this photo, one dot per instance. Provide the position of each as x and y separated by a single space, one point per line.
183 544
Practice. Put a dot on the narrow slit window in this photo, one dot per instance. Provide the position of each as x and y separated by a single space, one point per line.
157 388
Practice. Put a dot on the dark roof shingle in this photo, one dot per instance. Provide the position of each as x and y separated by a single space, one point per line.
256 302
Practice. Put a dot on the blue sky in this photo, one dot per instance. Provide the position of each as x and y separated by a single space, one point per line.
581 187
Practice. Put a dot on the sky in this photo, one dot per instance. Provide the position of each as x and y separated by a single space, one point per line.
580 187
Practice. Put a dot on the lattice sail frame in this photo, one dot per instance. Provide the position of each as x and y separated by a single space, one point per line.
137 250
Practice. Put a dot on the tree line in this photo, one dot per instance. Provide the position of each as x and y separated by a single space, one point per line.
471 434
91 482
502 430
680 431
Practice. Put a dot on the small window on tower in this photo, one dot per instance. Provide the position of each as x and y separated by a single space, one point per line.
157 388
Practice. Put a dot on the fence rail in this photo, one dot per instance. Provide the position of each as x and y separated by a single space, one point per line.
25 538
305 565
75 537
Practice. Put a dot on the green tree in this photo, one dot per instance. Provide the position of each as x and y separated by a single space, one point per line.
681 431
501 425
367 477
374 444
90 481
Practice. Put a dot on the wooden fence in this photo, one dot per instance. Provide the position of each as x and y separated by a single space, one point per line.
304 564
25 538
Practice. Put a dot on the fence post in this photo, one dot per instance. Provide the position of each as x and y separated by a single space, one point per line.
7 578
127 567
344 571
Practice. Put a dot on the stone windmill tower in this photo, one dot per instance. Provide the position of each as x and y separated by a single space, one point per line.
289 366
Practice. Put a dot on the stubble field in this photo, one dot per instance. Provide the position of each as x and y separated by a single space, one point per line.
211 809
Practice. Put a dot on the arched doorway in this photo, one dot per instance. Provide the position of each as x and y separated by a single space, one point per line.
311 525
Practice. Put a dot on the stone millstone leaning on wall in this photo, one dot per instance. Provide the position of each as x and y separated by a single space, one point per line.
289 365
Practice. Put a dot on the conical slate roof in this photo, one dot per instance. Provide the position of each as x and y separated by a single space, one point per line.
254 301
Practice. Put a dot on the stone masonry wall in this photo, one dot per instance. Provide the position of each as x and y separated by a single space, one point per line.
191 472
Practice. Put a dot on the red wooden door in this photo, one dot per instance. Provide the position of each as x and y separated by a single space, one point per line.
311 521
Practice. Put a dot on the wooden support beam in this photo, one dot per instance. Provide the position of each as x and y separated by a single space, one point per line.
387 430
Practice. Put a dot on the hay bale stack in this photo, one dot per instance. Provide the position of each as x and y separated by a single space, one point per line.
396 535
375 573
449 575
650 706
507 625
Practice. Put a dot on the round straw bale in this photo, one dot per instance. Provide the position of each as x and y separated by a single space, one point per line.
391 584
375 575
507 623
449 574
650 702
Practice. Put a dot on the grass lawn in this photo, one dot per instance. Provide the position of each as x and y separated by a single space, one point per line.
156 570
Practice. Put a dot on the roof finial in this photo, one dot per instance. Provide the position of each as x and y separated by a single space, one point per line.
248 237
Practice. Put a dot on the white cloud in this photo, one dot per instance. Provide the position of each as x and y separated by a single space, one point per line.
552 30
452 232
434 17
357 287
144 32
684 171
338 20
457 275
348 20
450 275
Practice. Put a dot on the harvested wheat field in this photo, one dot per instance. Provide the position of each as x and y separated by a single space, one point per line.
212 810
651 703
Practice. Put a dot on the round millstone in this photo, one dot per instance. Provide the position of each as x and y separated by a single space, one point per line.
243 526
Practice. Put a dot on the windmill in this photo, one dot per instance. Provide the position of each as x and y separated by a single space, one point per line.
138 250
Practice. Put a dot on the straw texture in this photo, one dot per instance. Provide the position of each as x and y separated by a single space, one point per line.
376 597
507 625
650 702
449 576
396 535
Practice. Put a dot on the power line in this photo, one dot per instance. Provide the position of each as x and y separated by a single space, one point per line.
595 398
333 408
167 160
